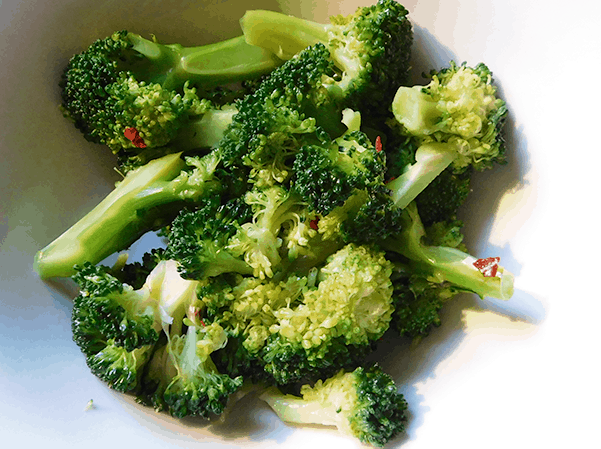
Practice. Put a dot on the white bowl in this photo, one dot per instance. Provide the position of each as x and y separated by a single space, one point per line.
517 374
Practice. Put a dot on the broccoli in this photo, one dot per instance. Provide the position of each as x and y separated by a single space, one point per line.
336 322
117 327
326 176
363 404
370 49
199 238
444 263
417 301
280 116
182 378
342 183
126 81
260 240
148 198
456 120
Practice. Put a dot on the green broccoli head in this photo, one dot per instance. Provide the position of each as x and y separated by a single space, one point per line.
108 310
364 404
183 379
369 48
335 322
117 327
199 238
276 119
459 107
327 175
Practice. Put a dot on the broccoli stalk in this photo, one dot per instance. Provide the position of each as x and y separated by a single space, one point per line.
445 264
457 121
211 65
146 199
364 404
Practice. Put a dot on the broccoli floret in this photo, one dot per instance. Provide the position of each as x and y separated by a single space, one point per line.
117 327
364 404
444 264
457 120
126 81
334 323
183 379
259 240
367 217
417 301
199 238
135 273
370 49
147 199
326 176
442 198
279 117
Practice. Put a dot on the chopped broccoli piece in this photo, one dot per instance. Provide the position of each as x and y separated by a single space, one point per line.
457 120
327 175
183 379
199 239
335 322
147 199
364 404
445 264
126 81
370 49
277 119
117 327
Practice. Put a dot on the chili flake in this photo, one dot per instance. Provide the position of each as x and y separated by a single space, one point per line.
488 267
378 144
133 135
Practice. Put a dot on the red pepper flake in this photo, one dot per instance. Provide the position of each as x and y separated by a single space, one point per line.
488 267
203 323
378 144
313 223
133 135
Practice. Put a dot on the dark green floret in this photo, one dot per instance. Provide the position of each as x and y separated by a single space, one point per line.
118 327
369 48
364 404
326 176
199 238
281 116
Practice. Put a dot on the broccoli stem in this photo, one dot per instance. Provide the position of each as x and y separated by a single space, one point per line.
281 34
295 409
120 219
446 264
205 132
431 160
212 65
